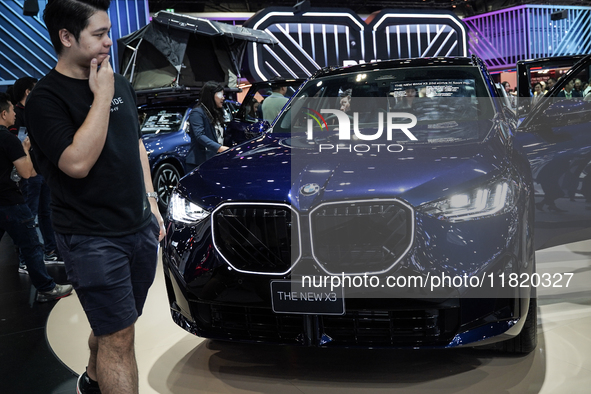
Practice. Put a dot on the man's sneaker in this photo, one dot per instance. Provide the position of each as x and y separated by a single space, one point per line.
59 291
52 258
22 269
85 385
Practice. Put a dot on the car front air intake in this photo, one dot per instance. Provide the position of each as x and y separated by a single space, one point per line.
356 237
257 238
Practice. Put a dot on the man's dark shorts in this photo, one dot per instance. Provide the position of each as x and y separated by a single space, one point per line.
111 275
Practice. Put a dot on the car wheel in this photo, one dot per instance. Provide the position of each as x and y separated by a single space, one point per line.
527 339
165 179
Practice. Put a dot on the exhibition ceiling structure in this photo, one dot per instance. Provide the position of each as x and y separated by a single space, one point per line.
499 32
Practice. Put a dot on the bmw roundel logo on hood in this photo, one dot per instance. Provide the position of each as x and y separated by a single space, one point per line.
309 189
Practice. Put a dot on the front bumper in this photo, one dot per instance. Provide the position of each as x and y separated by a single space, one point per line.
210 299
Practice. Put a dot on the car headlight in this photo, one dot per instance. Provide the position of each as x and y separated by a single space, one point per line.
493 198
184 211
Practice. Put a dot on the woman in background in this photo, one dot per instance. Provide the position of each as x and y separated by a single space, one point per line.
538 93
254 110
206 125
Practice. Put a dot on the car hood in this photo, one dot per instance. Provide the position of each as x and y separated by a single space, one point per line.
269 169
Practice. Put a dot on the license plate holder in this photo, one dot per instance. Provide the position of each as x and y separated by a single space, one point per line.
315 301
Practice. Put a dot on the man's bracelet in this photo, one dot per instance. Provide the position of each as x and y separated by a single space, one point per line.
153 195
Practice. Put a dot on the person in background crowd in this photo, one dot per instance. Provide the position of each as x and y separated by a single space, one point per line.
406 101
543 86
254 110
9 93
35 189
578 87
345 101
15 217
20 90
549 83
83 123
587 89
206 125
273 104
569 91
538 92
510 95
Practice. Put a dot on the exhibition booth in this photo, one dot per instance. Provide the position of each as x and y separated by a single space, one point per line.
453 211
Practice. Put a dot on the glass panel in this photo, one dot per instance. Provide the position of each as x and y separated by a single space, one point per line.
154 121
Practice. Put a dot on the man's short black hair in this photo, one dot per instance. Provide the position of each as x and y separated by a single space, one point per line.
72 15
20 88
5 102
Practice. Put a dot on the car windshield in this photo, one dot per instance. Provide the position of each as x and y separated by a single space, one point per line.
450 104
154 121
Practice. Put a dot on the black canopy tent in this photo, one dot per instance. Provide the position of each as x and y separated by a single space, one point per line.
181 51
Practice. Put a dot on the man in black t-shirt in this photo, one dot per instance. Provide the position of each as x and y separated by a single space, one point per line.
15 217
83 123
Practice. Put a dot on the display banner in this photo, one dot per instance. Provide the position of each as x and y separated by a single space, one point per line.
329 37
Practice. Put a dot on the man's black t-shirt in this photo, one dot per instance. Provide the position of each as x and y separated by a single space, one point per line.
11 150
111 200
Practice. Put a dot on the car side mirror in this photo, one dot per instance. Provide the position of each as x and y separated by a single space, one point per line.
256 129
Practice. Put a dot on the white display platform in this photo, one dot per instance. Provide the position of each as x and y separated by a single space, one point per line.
172 361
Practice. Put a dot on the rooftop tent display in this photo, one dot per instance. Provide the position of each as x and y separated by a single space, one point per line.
182 51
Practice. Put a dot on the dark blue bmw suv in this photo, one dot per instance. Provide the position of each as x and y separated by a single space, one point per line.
390 204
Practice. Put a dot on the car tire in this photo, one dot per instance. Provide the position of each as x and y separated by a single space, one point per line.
165 179
527 339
